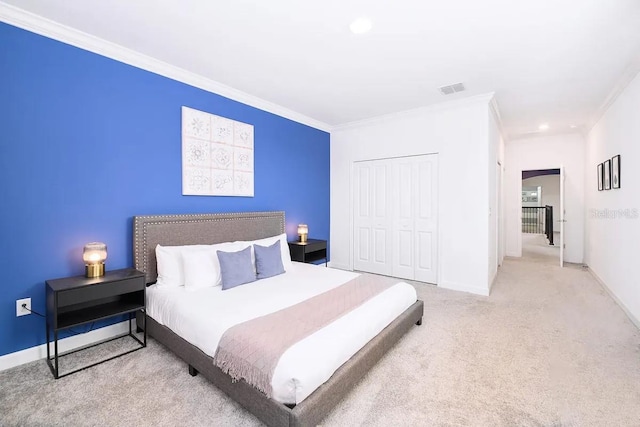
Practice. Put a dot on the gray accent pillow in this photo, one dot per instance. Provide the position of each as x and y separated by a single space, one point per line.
236 268
268 260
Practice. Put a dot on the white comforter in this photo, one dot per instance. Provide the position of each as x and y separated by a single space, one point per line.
201 317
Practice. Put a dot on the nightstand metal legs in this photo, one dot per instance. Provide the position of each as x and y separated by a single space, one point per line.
53 362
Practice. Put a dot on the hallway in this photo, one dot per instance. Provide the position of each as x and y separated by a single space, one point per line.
536 248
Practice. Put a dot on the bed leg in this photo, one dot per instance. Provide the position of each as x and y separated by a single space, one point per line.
419 322
193 371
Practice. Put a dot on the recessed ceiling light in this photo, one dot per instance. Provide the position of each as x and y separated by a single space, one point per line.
573 126
544 126
361 25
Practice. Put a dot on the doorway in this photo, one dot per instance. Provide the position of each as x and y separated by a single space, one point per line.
542 215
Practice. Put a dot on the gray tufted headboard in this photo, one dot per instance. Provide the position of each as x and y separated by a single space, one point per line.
198 229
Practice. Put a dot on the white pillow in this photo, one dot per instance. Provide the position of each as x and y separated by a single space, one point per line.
169 263
202 267
169 266
268 241
200 270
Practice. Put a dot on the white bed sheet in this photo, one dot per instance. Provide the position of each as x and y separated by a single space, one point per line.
203 316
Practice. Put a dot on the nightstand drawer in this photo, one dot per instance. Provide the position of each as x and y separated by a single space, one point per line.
99 291
316 246
310 251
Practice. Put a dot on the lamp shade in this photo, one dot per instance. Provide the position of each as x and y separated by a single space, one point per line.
94 254
303 232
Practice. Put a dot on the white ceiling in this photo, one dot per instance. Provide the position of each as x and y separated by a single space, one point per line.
552 61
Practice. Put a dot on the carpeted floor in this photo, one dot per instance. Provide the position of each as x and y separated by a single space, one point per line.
536 248
549 347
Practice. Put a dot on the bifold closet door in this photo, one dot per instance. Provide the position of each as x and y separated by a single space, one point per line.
426 216
372 237
414 230
403 184
395 218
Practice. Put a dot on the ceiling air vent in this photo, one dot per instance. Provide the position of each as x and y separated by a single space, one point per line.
454 88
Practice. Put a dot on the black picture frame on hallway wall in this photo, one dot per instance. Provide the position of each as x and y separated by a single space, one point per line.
600 177
607 175
615 171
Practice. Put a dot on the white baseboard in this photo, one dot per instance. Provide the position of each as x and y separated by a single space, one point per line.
446 285
465 288
624 308
70 343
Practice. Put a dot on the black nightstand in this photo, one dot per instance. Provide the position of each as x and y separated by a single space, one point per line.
309 251
75 301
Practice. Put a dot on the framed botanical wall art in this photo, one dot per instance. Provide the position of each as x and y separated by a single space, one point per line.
217 155
607 175
600 177
615 171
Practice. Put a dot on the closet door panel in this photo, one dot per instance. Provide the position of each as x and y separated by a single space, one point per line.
362 218
371 248
380 243
405 252
363 246
381 234
364 195
403 186
380 194
426 226
424 246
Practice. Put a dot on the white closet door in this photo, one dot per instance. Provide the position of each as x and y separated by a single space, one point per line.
372 246
426 214
395 218
403 186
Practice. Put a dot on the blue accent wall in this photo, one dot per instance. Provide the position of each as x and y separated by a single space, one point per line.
87 142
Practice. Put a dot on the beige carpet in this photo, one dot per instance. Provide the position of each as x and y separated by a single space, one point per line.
548 348
536 248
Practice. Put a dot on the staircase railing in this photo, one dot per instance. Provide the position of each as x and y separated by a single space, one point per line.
538 220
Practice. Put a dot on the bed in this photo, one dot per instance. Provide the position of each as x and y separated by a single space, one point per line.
311 407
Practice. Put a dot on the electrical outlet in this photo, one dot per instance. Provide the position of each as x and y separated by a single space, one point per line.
20 311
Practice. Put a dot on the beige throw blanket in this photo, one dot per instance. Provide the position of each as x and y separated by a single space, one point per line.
251 350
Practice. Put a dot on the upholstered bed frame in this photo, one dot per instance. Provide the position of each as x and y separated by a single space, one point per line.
168 230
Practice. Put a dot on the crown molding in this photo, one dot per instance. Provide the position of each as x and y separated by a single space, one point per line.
629 74
475 99
45 27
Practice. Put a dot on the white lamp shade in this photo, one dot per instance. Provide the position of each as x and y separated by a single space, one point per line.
94 253
303 229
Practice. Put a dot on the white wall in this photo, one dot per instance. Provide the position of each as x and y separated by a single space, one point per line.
458 132
550 194
612 248
546 152
495 220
